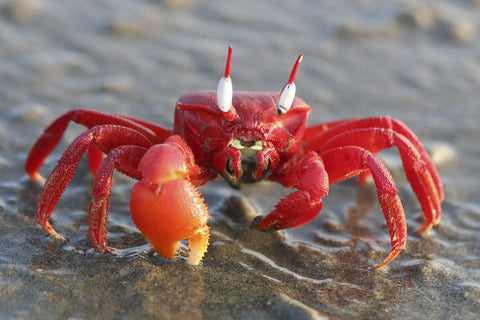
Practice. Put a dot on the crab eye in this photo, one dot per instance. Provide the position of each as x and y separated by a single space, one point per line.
287 94
224 94
286 98
225 91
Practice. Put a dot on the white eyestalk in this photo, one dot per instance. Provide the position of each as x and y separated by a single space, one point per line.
287 94
224 94
225 91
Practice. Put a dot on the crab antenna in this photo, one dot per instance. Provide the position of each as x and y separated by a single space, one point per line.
225 91
287 94
294 69
229 63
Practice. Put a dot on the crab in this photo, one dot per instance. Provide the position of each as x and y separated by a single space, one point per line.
245 137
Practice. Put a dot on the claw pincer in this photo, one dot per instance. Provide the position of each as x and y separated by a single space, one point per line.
165 205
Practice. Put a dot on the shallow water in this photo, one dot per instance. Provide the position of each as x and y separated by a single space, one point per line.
415 61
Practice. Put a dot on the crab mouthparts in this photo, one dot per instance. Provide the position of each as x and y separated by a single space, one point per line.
249 163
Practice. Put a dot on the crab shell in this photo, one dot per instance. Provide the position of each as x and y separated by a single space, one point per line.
257 129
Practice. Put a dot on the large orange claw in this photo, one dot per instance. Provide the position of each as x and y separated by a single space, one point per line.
166 206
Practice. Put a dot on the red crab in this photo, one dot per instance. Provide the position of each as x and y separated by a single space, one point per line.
245 137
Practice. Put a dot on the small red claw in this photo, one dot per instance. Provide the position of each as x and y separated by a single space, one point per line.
166 206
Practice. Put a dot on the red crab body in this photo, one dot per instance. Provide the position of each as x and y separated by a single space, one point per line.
256 131
244 137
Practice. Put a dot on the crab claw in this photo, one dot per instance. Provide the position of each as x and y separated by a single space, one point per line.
166 206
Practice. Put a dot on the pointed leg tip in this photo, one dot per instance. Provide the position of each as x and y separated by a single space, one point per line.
425 228
256 223
396 249
37 177
110 250
380 266
54 234
106 249
384 263
58 236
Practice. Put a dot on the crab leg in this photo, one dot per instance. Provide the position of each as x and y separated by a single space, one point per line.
125 159
317 141
89 118
345 162
94 157
415 165
106 138
165 204
310 179
312 132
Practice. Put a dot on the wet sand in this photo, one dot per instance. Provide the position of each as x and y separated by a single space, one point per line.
415 61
